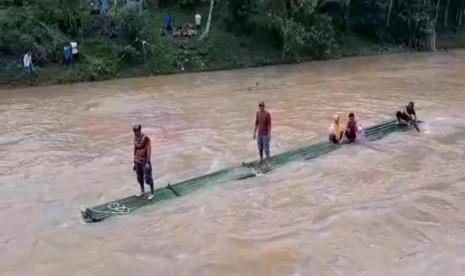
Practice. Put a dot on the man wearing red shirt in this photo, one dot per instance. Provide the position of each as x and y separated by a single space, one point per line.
263 125
351 129
142 164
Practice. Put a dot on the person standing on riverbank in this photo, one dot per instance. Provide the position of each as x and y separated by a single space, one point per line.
169 21
142 164
198 20
27 62
68 54
263 125
103 5
74 51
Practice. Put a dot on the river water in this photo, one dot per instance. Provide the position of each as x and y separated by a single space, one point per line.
391 207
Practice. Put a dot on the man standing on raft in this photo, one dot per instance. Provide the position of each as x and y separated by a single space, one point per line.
263 125
142 164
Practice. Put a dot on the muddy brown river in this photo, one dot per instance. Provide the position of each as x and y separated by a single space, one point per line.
390 207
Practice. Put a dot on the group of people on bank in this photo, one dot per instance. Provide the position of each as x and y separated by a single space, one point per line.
183 30
70 53
262 133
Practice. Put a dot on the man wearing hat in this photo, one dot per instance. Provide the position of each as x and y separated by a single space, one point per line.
263 125
142 165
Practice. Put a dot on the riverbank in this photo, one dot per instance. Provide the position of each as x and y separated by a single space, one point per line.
12 74
240 55
104 58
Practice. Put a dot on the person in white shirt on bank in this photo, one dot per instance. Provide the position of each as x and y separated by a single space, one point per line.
198 20
74 51
27 61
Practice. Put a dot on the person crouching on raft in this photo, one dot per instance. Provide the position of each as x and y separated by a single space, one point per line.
142 164
336 132
351 129
408 116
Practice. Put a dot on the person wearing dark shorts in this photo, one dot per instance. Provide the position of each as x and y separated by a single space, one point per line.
408 115
351 129
142 164
262 130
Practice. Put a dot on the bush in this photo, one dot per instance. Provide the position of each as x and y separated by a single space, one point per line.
303 33
20 32
186 58
127 54
134 28
321 36
64 14
459 39
239 14
410 21
90 69
368 17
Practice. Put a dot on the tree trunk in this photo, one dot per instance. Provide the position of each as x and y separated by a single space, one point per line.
209 21
141 6
346 14
461 13
288 8
388 19
438 7
446 13
430 41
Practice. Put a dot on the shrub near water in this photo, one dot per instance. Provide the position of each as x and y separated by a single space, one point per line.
20 31
91 70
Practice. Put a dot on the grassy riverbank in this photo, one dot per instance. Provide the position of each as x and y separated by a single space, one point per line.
139 49
222 51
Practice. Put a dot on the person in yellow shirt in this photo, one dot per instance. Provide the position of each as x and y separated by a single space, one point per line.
336 131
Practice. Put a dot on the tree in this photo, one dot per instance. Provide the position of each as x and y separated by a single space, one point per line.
303 32
141 6
64 13
240 12
438 7
388 17
461 13
446 13
346 13
209 21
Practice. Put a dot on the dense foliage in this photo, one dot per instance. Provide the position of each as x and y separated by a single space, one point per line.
244 32
408 22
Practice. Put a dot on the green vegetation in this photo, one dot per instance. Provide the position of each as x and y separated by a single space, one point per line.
127 40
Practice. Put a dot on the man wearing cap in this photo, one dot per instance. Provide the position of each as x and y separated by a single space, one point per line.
142 165
263 125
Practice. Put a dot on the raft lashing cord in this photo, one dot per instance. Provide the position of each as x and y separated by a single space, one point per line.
246 170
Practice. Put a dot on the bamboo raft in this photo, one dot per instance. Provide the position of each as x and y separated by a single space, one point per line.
246 170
